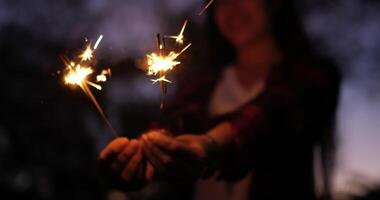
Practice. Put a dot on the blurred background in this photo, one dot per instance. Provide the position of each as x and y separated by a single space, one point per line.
50 134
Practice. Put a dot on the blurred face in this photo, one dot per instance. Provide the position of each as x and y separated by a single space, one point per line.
242 22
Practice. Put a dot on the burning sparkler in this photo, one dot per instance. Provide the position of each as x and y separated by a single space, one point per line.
78 74
159 64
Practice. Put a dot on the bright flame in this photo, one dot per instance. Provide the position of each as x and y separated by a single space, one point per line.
179 38
161 64
78 75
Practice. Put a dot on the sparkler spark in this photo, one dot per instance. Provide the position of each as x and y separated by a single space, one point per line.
87 54
161 79
98 41
206 7
103 76
179 38
158 64
78 74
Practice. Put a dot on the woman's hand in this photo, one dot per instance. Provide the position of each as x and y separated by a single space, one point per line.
156 153
122 164
186 156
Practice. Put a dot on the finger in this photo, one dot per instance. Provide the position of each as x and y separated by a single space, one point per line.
161 131
152 159
163 158
141 170
164 142
149 171
125 155
114 147
133 165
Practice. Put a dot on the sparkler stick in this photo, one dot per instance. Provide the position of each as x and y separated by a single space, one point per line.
206 7
77 74
162 74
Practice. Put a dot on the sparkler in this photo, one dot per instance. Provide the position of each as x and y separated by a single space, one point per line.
206 7
159 64
78 74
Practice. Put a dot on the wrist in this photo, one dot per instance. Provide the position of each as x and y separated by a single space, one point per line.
212 158
213 149
222 134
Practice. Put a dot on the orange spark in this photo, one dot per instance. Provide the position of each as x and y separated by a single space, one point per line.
206 7
87 54
103 76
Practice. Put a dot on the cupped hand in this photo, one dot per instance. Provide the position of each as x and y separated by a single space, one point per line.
122 162
183 157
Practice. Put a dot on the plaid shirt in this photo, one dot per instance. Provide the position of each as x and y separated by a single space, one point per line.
275 133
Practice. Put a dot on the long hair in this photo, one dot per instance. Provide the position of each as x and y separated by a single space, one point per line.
291 38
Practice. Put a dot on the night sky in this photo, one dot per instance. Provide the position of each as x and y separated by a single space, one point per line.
50 134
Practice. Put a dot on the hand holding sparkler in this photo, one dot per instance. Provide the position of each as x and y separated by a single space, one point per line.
122 165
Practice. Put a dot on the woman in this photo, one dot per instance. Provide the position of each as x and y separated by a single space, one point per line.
255 123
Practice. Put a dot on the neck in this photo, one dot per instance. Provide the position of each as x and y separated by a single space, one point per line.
254 60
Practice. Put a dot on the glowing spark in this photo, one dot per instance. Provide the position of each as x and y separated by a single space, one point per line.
87 54
98 41
78 75
161 64
206 7
179 38
161 79
103 76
